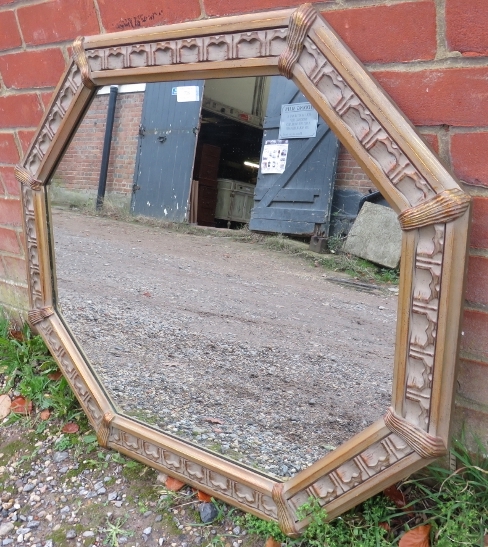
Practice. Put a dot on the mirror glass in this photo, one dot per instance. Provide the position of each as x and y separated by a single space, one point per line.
199 317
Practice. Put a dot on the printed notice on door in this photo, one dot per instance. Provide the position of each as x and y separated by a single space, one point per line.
274 156
298 121
187 93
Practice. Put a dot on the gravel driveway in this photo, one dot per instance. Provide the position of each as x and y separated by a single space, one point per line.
250 352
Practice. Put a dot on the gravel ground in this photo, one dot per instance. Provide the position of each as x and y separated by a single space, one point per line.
250 352
84 496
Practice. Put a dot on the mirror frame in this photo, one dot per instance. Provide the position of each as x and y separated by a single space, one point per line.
432 209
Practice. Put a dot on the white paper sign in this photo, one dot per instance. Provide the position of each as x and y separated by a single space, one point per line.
274 156
187 93
298 121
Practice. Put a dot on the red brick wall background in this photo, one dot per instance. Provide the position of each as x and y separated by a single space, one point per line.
431 56
350 175
84 154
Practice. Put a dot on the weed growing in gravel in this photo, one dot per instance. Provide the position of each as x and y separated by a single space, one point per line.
168 499
64 443
115 531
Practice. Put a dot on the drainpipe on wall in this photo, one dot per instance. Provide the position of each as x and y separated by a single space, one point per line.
107 141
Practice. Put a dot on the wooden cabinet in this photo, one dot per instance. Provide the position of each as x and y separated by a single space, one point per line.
235 200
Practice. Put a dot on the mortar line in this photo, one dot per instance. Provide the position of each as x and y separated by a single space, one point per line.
440 12
99 17
434 64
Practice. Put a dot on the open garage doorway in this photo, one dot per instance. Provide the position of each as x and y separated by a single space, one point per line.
202 157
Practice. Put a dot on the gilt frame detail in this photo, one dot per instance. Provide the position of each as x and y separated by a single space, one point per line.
433 213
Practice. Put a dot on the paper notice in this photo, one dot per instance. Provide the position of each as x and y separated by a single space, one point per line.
274 156
187 93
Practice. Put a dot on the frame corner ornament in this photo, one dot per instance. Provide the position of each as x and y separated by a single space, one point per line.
444 207
300 22
36 316
25 177
424 444
285 517
80 58
103 431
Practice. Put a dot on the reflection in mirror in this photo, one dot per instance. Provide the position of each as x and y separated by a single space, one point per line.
217 335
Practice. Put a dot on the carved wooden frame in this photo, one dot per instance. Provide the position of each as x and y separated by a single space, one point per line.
433 212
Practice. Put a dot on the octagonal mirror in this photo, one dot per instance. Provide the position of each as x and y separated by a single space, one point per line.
240 349
206 356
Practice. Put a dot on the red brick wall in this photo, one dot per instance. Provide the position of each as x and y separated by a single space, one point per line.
430 55
350 175
80 166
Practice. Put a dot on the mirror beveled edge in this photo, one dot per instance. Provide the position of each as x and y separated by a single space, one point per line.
433 213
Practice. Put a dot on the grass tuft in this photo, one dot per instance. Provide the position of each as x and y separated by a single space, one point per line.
27 368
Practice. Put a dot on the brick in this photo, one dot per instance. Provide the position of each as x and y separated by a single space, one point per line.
10 183
455 96
57 21
25 139
127 14
433 140
408 31
15 269
202 496
228 7
475 339
5 2
467 26
473 380
11 295
477 281
8 149
20 110
468 152
10 36
10 213
174 484
479 224
46 99
470 423
9 241
29 69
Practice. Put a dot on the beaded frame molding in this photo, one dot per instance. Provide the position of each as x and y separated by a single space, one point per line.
433 213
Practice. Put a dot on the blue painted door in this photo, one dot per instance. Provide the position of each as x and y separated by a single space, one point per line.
299 200
167 142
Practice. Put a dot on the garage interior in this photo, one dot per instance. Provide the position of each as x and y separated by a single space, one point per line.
228 150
